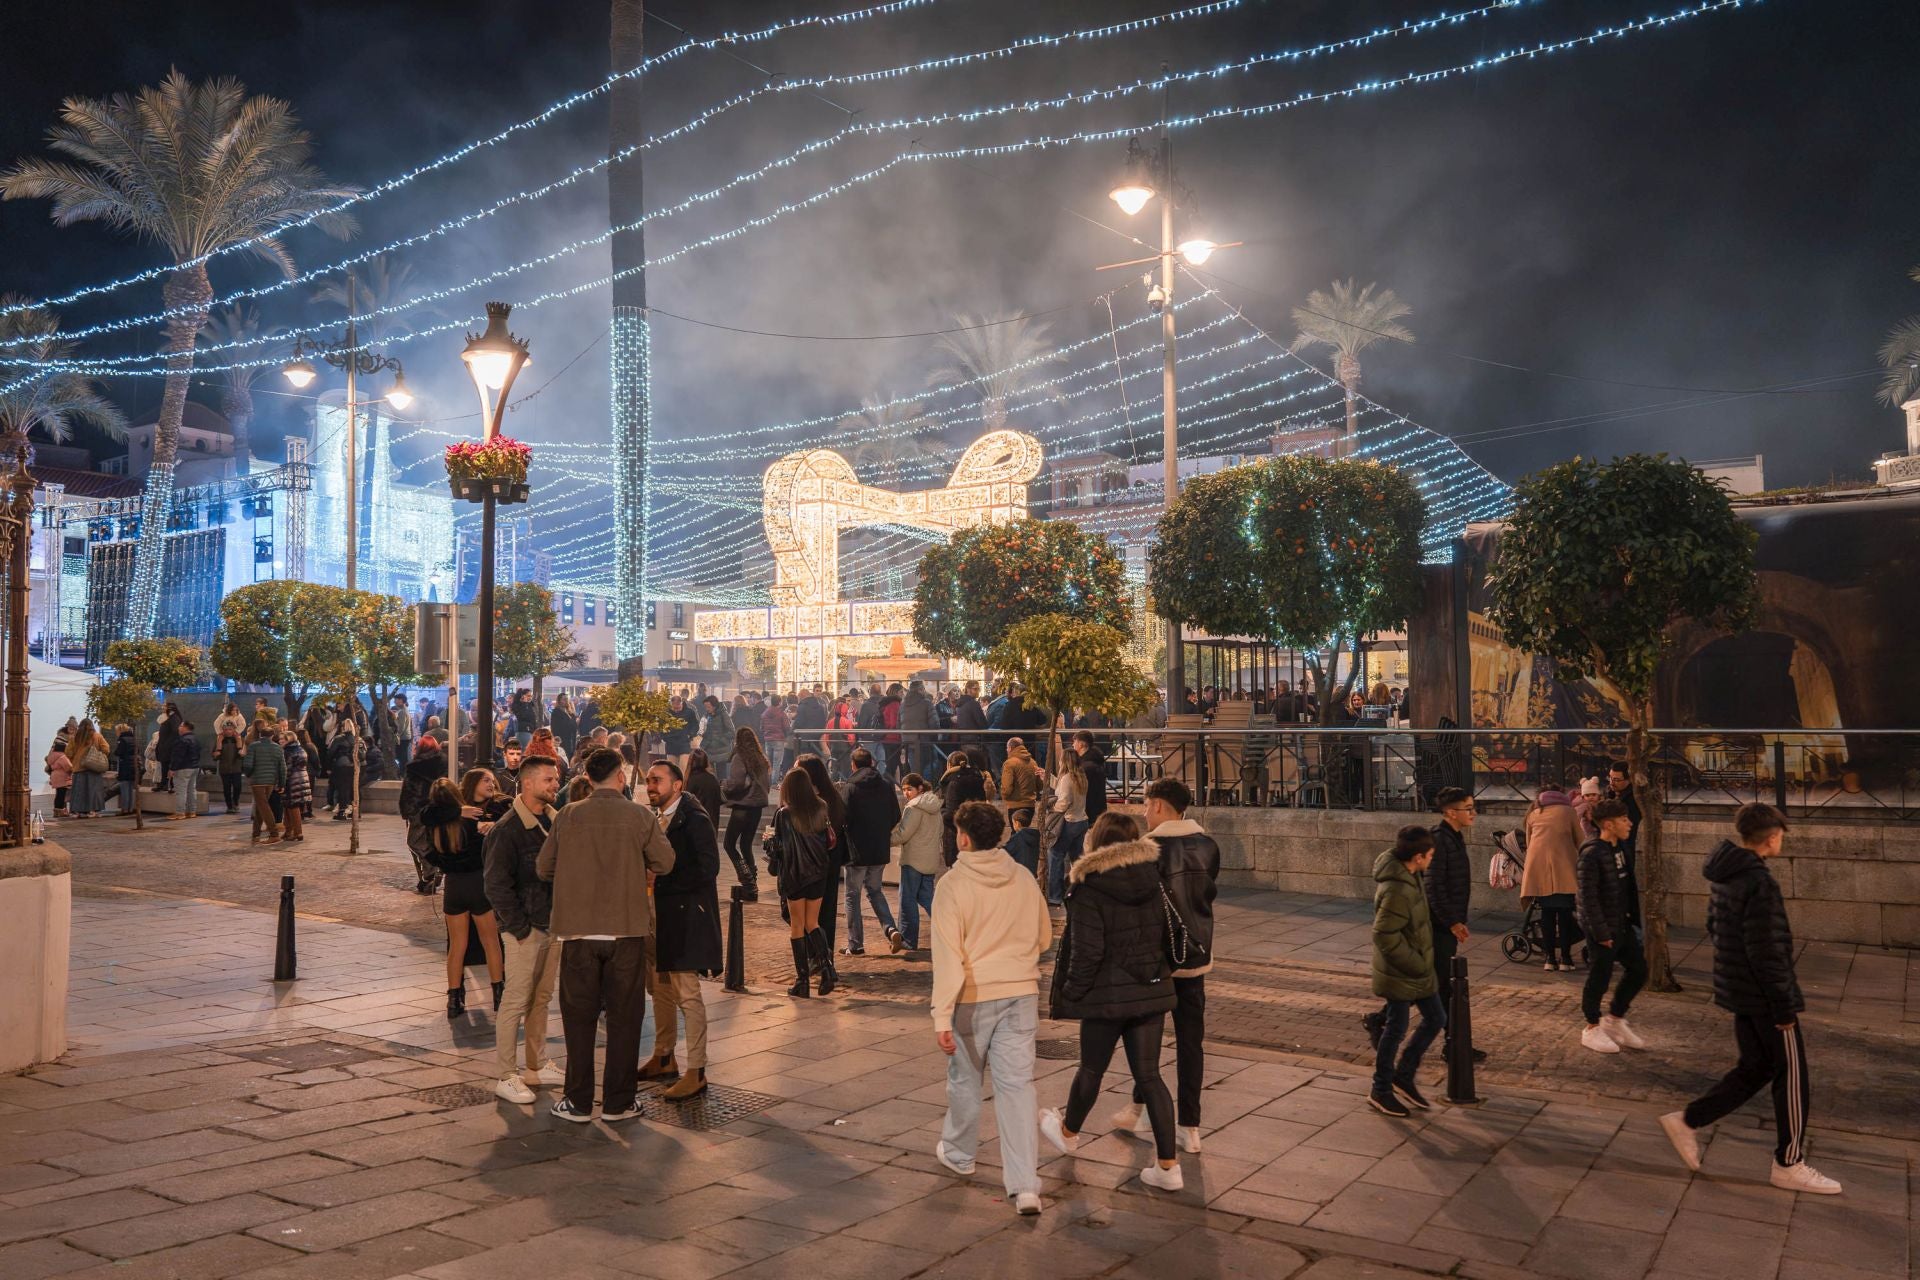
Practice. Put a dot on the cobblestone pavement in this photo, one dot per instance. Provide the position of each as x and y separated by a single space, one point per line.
212 1124
1293 977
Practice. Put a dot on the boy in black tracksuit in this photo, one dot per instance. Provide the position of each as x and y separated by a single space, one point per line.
1603 897
1753 979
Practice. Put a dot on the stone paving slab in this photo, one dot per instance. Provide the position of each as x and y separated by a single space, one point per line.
1299 1178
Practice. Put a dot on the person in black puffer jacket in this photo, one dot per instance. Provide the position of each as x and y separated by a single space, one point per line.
1601 901
1753 979
873 811
459 819
1115 975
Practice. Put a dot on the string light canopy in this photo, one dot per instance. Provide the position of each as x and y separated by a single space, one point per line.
116 365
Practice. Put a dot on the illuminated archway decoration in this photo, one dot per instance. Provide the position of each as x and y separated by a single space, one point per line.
806 500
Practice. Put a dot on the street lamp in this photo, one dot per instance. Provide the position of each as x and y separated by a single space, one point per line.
1149 174
494 359
348 355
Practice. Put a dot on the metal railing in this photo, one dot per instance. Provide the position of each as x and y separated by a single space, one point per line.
1868 775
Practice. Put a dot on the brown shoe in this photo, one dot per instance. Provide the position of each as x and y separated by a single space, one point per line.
658 1068
690 1085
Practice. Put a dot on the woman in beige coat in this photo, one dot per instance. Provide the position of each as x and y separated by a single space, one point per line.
1549 878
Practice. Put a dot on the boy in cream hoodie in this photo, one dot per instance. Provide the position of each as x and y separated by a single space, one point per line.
990 928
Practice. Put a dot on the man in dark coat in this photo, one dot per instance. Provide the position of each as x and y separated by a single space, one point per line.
686 935
1753 979
969 717
917 714
873 810
523 908
1448 881
1620 787
1094 764
1602 905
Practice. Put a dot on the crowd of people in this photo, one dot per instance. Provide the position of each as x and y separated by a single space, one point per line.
582 862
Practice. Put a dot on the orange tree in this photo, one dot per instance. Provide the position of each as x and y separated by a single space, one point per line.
528 638
1596 562
1299 551
985 579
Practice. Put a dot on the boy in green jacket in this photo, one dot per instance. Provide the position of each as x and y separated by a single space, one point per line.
1403 971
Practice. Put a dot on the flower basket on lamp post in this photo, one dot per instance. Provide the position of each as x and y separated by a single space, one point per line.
498 467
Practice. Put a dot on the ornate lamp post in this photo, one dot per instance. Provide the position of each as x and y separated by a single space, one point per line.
349 355
495 359
1149 174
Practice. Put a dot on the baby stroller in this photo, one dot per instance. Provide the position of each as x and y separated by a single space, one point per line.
1509 860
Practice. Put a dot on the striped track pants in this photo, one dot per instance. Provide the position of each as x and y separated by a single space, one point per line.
1768 1056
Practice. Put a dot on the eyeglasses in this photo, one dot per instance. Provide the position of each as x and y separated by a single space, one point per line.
1462 808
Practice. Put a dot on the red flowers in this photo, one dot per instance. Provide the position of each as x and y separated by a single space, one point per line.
500 458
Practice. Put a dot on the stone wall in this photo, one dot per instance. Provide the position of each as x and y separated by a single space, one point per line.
1844 881
36 903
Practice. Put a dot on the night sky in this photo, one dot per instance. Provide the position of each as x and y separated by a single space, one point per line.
1666 218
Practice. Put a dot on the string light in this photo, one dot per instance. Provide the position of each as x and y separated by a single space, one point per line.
1041 143
460 153
691 126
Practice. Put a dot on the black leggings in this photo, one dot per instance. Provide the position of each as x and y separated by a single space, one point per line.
741 825
230 784
1558 932
1141 1039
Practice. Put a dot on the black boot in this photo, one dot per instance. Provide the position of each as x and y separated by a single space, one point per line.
823 961
799 988
456 1002
498 989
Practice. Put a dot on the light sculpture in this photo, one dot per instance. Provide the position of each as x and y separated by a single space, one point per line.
807 499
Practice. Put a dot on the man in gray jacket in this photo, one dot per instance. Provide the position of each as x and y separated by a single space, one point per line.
601 856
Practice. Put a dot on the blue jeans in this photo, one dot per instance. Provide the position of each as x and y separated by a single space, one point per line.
995 1037
867 879
916 895
1433 1020
1066 852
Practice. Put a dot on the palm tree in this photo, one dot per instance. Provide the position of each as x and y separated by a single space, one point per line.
893 444
1000 358
377 286
1901 354
56 401
1348 323
238 323
197 168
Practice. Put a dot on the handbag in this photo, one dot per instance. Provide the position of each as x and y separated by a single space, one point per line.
95 761
1178 943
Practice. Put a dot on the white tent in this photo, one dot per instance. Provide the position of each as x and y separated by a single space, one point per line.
54 694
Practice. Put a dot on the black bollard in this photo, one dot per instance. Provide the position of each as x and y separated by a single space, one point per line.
283 957
736 977
1460 1092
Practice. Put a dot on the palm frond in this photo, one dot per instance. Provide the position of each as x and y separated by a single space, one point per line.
1900 353
52 401
1349 320
1001 359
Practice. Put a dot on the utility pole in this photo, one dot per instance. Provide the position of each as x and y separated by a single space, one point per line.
1169 414
353 446
632 392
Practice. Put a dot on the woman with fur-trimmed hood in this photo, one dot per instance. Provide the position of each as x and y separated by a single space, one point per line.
1115 974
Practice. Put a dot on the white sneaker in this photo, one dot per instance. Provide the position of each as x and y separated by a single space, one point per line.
1597 1039
1804 1177
1026 1204
1686 1143
947 1157
1549 967
552 1072
513 1089
1621 1034
1128 1118
1163 1179
1054 1130
1188 1136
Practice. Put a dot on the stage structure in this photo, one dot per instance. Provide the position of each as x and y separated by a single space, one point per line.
807 498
